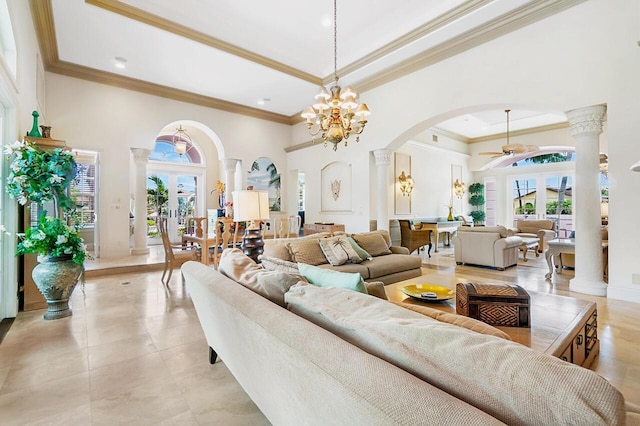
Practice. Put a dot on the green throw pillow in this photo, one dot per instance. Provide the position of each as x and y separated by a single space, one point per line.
361 252
329 278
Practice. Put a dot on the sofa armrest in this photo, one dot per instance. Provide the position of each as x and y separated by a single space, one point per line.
399 250
545 234
512 231
508 242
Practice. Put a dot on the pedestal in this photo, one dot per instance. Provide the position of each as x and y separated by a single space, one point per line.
252 244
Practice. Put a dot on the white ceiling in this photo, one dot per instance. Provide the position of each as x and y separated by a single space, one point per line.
282 50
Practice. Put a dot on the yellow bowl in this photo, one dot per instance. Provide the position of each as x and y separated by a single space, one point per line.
428 292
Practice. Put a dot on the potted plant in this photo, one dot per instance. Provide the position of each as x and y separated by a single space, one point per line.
476 199
41 176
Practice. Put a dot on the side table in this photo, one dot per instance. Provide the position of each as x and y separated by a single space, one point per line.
557 246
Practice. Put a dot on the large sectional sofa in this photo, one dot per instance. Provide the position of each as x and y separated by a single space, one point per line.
320 356
388 264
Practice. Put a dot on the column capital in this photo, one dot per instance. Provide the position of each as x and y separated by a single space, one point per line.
230 163
141 154
587 120
383 157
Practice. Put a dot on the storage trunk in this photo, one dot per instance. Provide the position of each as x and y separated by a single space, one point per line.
496 304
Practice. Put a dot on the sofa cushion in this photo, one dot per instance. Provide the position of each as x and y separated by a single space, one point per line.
361 252
349 268
385 265
373 243
277 247
505 379
306 251
269 284
383 232
455 319
329 278
338 250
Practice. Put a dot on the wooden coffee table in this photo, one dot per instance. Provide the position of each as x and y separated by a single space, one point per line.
560 326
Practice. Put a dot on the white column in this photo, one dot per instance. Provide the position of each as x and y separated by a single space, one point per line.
230 180
383 160
586 126
141 157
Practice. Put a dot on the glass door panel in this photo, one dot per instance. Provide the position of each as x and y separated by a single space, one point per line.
157 204
558 203
524 198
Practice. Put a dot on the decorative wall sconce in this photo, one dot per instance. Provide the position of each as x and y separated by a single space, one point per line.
406 183
459 188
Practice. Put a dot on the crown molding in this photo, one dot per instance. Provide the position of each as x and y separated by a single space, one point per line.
45 32
145 17
504 24
532 130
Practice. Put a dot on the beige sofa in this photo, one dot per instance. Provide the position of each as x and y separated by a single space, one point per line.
364 371
544 229
486 246
396 266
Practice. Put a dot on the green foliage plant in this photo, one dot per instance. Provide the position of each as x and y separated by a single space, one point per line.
476 199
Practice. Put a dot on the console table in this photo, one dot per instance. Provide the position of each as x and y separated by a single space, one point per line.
561 326
557 246
314 228
437 227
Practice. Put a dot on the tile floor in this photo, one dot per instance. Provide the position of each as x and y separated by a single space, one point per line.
134 353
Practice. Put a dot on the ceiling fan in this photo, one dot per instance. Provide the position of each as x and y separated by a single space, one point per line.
512 149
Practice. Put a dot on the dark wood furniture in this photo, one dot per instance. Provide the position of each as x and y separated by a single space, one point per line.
314 228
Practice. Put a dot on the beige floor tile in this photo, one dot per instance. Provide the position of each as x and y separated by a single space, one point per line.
176 336
183 419
187 358
76 417
45 401
48 367
121 350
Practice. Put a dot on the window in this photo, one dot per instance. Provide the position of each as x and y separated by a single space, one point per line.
83 189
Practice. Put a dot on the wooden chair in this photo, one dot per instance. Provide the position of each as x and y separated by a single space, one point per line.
174 254
196 226
414 238
282 227
224 238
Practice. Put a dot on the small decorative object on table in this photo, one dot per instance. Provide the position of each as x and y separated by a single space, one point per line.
495 304
428 292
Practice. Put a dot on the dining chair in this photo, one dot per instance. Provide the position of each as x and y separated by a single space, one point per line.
174 254
224 238
196 226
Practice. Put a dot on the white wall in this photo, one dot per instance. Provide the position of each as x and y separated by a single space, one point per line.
111 121
586 55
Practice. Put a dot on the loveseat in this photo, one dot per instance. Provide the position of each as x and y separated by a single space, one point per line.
386 263
544 229
486 246
346 358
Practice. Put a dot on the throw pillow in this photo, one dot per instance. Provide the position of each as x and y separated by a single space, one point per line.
275 264
376 288
373 243
361 252
338 250
271 285
322 277
306 251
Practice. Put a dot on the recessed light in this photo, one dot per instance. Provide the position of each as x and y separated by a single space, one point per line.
263 101
120 62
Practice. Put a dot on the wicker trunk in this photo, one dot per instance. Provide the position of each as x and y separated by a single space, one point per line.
496 304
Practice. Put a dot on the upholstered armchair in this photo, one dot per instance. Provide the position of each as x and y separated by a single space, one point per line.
414 238
544 229
486 246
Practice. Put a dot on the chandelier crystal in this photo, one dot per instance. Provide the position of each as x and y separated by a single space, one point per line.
336 113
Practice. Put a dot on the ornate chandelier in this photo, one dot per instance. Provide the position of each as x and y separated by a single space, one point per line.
336 113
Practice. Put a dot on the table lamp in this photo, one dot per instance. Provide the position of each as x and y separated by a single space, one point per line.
251 206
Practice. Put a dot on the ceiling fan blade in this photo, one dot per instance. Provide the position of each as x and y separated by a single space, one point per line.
490 153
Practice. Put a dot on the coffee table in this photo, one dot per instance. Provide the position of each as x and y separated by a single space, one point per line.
527 244
561 326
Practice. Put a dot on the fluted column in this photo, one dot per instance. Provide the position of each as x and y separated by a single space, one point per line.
383 160
230 181
141 157
586 126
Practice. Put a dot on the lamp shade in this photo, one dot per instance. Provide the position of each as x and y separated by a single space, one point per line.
250 205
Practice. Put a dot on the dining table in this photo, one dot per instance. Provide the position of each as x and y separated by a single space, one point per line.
205 241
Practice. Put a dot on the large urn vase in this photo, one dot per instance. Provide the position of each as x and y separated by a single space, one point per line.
56 277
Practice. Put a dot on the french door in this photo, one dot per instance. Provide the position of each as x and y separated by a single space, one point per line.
175 195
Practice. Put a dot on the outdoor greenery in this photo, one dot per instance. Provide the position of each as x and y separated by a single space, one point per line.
476 199
552 207
158 197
